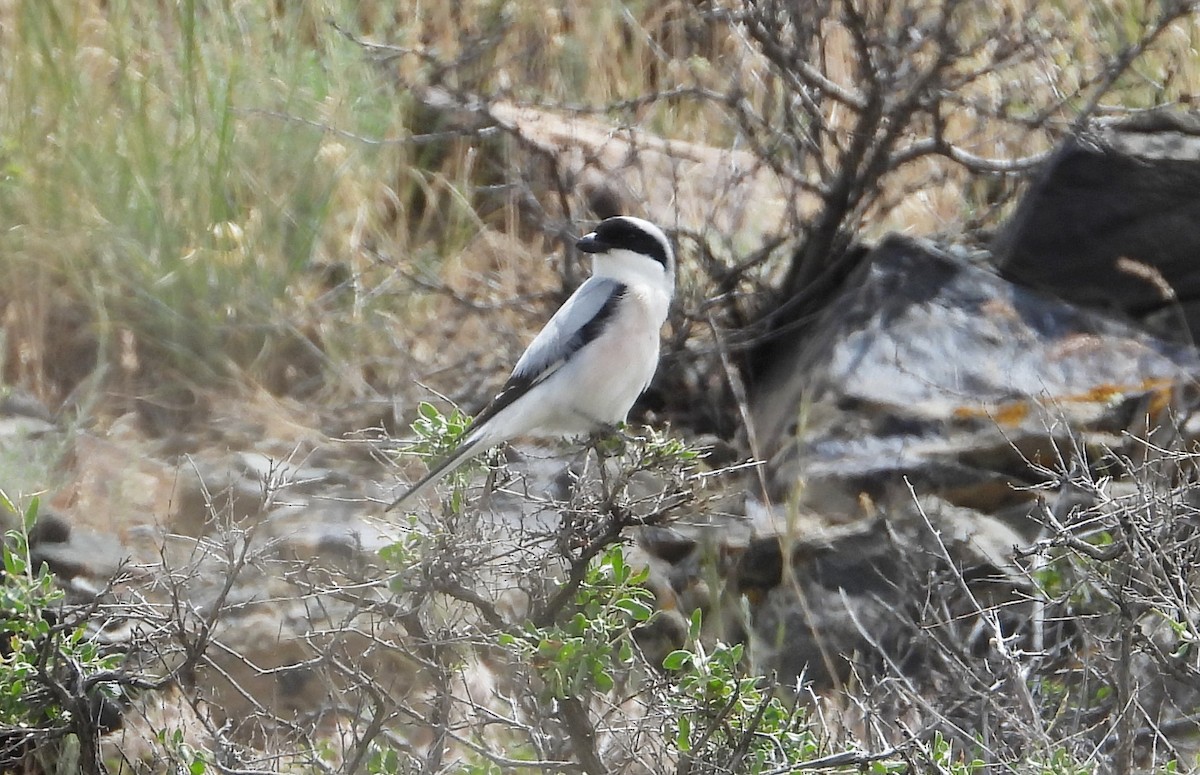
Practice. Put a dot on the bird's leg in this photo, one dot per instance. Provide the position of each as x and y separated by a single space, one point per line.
609 440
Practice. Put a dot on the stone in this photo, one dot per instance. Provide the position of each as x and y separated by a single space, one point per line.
826 606
210 495
624 169
1113 220
931 372
94 556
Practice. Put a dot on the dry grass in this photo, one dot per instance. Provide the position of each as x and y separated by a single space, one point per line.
231 211
205 194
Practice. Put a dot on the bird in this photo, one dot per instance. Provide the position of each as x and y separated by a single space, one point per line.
595 356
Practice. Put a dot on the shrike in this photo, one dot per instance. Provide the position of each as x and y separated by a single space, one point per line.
593 359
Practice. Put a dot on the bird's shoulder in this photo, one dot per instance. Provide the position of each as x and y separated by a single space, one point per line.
578 321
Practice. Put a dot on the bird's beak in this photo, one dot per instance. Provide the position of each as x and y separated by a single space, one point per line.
589 244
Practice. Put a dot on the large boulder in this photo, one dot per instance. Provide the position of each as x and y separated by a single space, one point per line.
911 441
833 604
1113 220
608 169
931 371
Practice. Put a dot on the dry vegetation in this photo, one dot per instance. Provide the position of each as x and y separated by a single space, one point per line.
201 196
206 201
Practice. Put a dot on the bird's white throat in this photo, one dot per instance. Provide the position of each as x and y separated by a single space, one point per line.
633 269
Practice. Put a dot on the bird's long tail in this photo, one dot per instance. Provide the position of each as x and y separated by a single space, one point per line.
469 449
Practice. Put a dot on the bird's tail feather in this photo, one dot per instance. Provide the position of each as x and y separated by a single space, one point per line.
468 450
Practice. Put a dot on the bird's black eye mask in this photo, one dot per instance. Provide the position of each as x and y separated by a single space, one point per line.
617 233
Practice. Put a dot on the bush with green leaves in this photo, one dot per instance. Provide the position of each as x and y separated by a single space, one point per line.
584 652
579 693
574 687
728 720
54 680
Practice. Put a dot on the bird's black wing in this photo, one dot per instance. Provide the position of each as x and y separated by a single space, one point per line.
578 321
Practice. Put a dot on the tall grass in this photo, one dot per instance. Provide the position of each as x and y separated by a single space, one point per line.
174 214
148 188
178 215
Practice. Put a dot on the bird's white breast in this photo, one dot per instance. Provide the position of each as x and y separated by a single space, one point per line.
604 378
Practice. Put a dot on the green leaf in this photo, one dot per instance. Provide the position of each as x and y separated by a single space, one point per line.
618 564
31 514
683 736
677 659
694 627
639 610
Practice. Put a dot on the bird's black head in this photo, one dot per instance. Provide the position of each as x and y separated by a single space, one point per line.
623 232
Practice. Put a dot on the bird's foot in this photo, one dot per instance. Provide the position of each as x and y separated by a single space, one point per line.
610 440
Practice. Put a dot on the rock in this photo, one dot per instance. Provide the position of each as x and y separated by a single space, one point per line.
824 607
918 422
1113 220
15 402
94 556
285 473
291 660
73 553
934 372
50 528
84 557
209 495
625 169
30 445
331 533
113 484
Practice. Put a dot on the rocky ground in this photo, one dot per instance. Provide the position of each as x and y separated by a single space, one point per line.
925 428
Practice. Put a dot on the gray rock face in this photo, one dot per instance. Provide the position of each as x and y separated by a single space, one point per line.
1127 195
930 369
75 553
930 377
834 606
